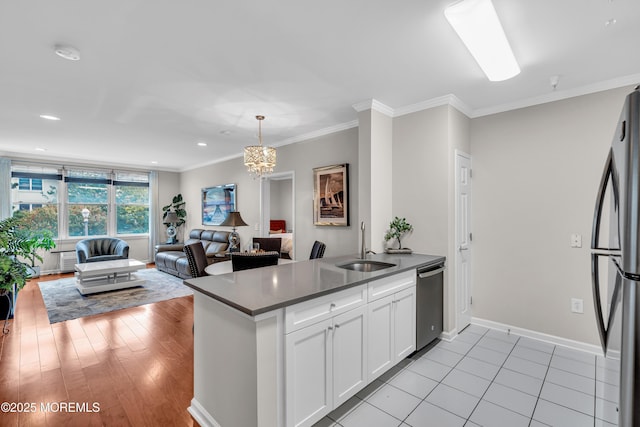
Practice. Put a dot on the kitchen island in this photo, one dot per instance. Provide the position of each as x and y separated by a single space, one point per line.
267 340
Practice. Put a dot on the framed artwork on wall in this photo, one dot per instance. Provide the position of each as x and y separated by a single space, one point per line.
217 202
331 195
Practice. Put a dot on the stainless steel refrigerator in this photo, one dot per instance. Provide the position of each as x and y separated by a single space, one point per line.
615 269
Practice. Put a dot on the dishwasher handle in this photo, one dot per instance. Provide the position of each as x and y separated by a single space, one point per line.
428 273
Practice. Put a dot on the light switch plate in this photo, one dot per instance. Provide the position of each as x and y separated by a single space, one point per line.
577 305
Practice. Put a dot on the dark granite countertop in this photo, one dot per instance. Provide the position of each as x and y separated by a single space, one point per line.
260 290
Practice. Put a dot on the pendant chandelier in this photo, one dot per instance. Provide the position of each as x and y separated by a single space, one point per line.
258 159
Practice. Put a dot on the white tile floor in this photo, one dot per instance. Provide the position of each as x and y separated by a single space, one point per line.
486 378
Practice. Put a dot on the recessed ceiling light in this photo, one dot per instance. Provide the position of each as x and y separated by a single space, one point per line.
202 144
67 52
40 149
154 162
49 117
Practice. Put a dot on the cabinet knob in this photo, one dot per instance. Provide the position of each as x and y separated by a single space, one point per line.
337 326
330 328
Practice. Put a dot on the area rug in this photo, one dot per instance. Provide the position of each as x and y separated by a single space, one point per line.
65 302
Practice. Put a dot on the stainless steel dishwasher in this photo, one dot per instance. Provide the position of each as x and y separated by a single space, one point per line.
429 303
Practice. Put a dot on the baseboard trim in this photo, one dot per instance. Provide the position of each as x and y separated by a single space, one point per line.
201 415
448 335
576 345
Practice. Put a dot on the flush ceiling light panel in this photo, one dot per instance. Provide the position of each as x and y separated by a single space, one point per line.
478 26
67 52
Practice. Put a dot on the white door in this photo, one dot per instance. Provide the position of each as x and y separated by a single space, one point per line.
308 374
404 323
349 354
463 249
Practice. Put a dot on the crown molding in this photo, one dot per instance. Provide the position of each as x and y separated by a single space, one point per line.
292 140
559 95
449 99
317 133
372 104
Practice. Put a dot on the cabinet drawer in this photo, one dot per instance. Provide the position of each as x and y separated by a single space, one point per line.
389 285
309 312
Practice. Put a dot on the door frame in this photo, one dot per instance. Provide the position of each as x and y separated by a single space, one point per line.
265 203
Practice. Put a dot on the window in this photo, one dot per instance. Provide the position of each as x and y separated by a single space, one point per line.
132 203
87 190
117 201
34 193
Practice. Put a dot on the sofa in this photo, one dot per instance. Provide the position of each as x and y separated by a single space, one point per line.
101 249
171 258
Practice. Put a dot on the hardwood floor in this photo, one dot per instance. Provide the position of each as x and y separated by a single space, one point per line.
133 366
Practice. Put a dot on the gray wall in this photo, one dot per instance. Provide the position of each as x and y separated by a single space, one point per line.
536 173
300 158
424 145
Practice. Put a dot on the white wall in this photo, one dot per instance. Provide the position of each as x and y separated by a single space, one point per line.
535 175
300 158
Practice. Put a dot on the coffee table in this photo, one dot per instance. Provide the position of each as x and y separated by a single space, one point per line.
104 276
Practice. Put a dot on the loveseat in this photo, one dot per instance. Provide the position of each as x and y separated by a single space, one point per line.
172 259
101 249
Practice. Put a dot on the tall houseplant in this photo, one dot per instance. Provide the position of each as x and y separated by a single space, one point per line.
13 272
30 243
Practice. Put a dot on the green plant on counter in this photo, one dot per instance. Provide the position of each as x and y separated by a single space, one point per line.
397 230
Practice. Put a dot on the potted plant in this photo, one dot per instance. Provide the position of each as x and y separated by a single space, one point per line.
13 272
398 228
29 245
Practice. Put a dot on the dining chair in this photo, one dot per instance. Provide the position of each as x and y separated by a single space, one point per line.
317 250
247 260
197 259
269 244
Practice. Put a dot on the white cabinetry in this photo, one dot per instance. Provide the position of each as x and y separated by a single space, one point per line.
392 322
325 354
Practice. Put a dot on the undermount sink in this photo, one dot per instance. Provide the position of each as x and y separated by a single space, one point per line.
366 265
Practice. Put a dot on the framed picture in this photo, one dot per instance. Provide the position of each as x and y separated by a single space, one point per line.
331 195
217 202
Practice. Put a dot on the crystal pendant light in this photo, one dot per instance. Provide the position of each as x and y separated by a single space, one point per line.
258 159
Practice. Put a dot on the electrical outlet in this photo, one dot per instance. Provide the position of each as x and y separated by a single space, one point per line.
576 240
577 305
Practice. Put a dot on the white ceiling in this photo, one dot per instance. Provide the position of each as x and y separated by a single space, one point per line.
158 76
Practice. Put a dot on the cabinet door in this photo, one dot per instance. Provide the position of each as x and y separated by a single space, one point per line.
380 342
404 325
308 378
349 354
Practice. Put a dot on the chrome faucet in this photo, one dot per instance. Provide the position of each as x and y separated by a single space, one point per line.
363 249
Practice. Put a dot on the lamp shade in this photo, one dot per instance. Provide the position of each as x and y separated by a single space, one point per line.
233 219
171 218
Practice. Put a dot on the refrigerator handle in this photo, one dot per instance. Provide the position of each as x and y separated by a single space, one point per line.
595 283
597 215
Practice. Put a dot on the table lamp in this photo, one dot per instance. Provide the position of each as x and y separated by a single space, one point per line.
234 220
171 219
